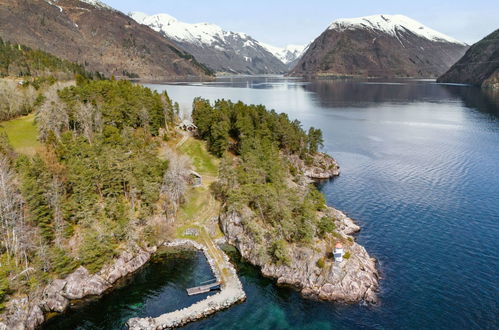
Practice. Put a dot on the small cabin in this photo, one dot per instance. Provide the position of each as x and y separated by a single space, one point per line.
188 126
196 179
338 252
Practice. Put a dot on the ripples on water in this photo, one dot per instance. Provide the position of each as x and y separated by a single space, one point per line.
420 173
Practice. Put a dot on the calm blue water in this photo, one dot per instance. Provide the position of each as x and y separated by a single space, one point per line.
420 173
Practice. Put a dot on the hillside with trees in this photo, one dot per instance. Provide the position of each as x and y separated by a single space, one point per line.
262 176
271 210
96 187
21 61
479 66
97 36
26 75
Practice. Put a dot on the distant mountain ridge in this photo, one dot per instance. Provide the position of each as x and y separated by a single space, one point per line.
285 54
479 66
219 49
380 46
288 55
101 38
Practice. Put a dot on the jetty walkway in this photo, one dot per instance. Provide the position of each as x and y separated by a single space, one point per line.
231 289
231 292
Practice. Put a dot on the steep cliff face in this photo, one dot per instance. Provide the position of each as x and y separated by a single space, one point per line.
479 66
93 34
380 46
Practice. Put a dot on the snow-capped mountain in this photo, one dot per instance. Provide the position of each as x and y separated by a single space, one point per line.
286 54
392 25
221 50
380 46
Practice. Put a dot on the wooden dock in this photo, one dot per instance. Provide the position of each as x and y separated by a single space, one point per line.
203 288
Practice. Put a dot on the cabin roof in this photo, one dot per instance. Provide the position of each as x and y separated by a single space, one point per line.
187 122
196 174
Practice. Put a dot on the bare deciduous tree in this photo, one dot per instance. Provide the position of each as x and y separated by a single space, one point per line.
15 100
85 114
52 115
13 231
175 182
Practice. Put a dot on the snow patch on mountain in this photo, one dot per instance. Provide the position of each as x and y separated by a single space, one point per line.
53 4
198 33
286 54
392 24
97 3
219 49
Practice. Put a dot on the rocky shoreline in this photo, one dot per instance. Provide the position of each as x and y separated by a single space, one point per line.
352 280
312 269
29 312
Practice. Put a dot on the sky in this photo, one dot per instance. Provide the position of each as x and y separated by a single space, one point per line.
283 22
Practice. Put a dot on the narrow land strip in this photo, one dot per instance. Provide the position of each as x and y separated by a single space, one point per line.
196 216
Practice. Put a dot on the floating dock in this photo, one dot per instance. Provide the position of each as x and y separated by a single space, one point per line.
203 288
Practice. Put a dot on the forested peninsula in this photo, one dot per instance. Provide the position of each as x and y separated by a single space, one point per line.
271 210
95 175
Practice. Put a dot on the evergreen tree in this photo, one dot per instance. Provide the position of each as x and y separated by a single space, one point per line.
315 140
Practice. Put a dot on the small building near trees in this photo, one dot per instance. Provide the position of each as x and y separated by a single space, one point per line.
195 179
187 125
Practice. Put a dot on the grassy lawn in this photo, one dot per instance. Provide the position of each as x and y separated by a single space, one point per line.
196 200
200 206
22 133
203 162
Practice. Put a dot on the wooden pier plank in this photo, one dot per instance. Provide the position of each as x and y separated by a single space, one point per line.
202 288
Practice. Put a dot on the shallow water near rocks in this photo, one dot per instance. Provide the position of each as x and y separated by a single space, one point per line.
420 174
157 288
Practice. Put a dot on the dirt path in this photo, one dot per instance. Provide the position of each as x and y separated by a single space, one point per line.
231 288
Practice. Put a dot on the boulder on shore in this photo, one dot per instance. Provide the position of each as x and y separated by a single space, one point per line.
28 312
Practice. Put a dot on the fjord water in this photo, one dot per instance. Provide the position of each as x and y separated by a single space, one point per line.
420 174
157 288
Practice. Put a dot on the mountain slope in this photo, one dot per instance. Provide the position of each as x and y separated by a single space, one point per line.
286 54
479 66
222 51
20 61
91 33
380 46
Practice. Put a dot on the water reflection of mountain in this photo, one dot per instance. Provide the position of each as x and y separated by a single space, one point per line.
360 94
253 82
482 100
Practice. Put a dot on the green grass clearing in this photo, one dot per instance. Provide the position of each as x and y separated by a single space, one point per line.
196 199
22 133
203 162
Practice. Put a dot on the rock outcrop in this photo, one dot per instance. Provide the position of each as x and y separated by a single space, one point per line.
311 269
352 280
321 166
28 312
